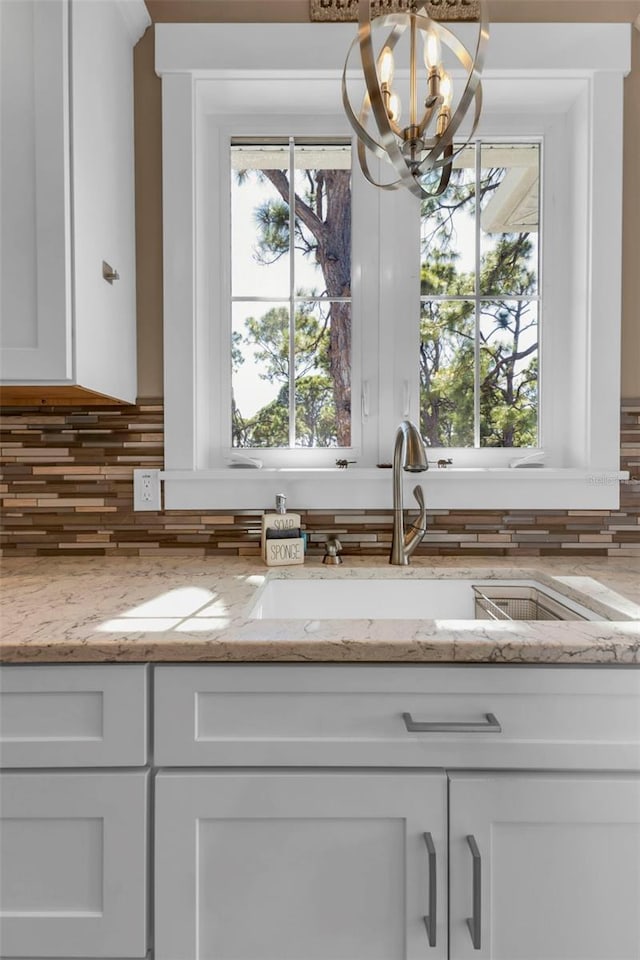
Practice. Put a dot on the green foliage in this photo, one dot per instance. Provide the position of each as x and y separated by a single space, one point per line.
322 331
237 357
506 379
446 373
272 219
268 336
315 417
507 376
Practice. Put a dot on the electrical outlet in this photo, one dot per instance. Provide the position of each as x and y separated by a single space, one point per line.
146 490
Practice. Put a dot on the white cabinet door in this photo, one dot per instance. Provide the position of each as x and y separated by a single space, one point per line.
73 865
67 193
35 199
103 198
300 866
558 867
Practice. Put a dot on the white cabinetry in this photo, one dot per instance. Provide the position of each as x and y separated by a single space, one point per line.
67 194
290 865
73 843
300 866
73 864
558 866
73 716
321 812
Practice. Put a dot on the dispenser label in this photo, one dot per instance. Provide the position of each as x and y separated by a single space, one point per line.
281 552
283 523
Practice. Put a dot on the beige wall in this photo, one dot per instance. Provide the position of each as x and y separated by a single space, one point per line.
148 136
148 153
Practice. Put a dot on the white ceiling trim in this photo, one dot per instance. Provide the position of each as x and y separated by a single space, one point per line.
515 48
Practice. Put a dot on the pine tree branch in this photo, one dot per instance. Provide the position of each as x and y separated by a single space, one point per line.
303 210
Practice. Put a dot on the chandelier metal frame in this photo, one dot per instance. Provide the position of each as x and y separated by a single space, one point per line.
410 151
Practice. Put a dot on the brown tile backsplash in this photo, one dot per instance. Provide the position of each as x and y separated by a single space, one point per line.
66 488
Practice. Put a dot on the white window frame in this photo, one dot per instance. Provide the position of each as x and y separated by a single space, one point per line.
477 297
569 79
285 455
222 131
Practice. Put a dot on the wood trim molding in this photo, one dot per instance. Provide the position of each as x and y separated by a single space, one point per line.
36 395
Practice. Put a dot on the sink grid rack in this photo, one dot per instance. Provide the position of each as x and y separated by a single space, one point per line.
519 603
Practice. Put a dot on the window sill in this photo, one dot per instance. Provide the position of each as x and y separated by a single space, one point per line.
361 488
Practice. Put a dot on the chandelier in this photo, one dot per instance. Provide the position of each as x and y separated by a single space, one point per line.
421 141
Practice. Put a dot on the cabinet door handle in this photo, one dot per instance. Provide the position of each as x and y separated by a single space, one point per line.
489 725
430 920
474 922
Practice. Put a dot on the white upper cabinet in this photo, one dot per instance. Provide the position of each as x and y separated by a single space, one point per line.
67 194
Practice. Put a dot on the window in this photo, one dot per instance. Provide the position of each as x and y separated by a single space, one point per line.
497 344
479 314
291 293
291 319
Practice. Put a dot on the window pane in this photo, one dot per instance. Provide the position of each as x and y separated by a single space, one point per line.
260 374
446 372
509 374
322 182
448 233
260 221
273 352
510 205
323 374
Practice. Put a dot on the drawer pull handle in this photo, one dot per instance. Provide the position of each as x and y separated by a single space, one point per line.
430 921
490 725
474 921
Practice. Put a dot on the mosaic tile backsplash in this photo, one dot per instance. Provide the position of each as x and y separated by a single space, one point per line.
66 488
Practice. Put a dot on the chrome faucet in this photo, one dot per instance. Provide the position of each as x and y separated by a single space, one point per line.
409 453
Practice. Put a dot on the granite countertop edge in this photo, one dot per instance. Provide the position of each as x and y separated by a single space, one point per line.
172 610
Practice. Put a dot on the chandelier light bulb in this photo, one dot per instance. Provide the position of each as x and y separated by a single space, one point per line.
432 51
394 108
446 90
385 67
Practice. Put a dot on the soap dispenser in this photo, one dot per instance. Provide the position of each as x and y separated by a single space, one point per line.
282 540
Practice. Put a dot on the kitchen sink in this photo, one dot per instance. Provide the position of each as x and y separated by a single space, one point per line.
382 598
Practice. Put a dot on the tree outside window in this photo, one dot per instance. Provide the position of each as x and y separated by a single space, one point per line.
291 302
291 328
480 301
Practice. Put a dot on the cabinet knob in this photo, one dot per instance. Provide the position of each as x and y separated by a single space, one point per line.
108 273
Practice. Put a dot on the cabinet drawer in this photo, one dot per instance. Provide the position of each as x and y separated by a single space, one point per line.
73 865
553 717
73 716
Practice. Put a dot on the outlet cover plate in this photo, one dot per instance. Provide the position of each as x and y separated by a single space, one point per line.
146 490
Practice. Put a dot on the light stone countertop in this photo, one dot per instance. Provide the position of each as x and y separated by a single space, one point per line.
90 610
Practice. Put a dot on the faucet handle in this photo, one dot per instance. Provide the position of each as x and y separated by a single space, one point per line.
420 523
332 548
